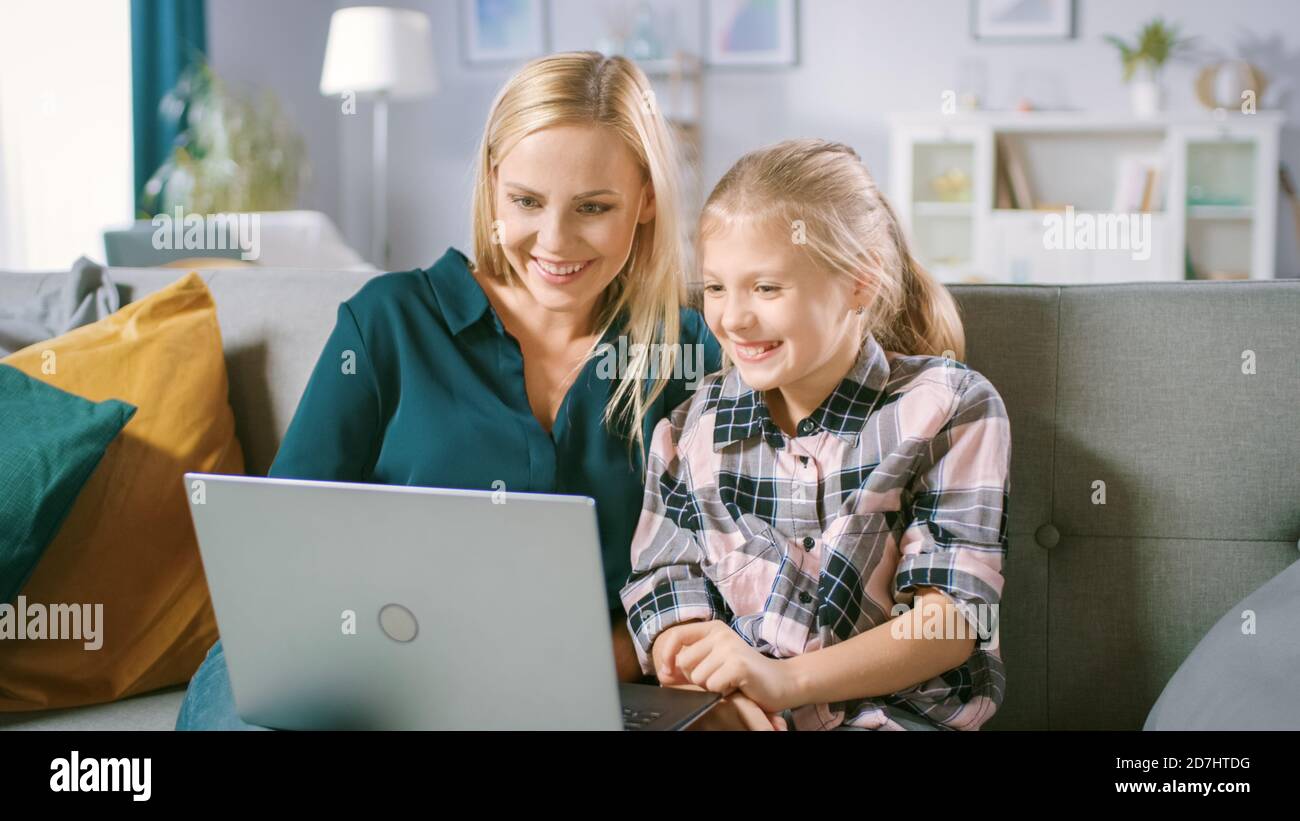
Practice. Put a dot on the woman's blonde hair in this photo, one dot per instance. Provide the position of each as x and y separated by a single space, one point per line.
588 88
821 194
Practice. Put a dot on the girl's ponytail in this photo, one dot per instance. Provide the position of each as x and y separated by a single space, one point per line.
928 322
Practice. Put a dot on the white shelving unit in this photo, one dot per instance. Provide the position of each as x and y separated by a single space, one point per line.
1214 204
678 83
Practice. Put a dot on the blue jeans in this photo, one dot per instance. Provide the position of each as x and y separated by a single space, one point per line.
209 703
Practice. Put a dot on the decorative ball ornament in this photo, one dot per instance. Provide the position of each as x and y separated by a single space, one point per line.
1222 85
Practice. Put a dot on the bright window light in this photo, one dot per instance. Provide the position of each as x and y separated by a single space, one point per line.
65 129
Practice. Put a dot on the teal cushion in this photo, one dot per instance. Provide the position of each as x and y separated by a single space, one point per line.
50 443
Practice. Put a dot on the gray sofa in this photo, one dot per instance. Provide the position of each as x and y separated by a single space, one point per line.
1139 387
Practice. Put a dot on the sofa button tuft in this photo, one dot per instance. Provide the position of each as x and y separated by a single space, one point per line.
1047 536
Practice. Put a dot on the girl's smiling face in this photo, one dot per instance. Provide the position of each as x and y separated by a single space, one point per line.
568 200
786 324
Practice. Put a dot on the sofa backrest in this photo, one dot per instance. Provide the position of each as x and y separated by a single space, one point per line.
1139 392
1143 387
274 323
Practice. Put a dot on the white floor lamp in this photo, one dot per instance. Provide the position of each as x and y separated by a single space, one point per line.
380 54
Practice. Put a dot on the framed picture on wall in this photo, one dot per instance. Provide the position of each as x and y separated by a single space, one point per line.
502 31
751 32
1011 20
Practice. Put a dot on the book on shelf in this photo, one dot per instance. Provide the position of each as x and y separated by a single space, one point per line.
1139 184
1017 175
1001 185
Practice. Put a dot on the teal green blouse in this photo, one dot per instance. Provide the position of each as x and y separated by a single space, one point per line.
432 394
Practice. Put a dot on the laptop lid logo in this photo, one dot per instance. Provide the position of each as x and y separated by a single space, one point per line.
398 623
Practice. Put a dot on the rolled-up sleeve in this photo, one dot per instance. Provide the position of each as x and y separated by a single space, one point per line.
957 538
667 585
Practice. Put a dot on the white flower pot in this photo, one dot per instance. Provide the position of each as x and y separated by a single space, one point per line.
1146 96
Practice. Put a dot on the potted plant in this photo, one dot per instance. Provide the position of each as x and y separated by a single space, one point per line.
1144 59
232 153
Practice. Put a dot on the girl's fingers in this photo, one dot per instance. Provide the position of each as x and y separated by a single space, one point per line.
664 653
661 656
707 667
693 654
752 715
670 676
778 722
670 642
724 679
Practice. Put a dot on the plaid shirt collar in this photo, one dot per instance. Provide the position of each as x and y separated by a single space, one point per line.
742 413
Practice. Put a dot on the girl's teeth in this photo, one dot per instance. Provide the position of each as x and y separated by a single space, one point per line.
752 352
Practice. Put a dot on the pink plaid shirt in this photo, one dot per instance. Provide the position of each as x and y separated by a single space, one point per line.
899 479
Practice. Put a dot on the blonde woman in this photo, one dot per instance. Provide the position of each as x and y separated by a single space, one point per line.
473 374
825 521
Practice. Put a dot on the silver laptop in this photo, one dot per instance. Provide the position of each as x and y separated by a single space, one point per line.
360 606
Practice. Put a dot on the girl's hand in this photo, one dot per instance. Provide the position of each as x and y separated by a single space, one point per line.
664 651
734 712
715 657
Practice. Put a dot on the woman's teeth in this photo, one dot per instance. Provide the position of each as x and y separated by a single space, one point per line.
559 270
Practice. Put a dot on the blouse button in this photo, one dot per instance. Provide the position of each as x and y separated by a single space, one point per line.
804 598
809 542
806 426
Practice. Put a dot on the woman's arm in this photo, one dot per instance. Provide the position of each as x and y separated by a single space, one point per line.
336 430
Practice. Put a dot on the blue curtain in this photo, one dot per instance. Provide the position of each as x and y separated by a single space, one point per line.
166 36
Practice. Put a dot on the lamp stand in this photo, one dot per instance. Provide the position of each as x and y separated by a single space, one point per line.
379 193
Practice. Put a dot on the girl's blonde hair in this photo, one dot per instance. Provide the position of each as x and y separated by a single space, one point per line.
821 194
588 88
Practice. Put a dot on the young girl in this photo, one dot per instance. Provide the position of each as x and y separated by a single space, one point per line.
825 520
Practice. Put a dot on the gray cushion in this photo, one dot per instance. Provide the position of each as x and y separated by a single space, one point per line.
151 711
1236 679
86 295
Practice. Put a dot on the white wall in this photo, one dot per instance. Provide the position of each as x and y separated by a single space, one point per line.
859 59
280 45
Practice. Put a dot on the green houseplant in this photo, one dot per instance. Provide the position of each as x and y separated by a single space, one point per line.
232 153
1144 59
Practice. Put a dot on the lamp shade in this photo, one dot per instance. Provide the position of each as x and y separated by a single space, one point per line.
374 49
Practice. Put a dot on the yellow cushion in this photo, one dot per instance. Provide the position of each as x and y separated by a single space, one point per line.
128 542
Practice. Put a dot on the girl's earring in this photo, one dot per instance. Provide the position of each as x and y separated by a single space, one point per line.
860 309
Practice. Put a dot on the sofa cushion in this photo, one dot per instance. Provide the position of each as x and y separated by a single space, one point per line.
50 443
152 711
129 543
85 295
1242 674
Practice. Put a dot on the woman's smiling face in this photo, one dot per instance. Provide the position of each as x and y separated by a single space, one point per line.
781 320
568 200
